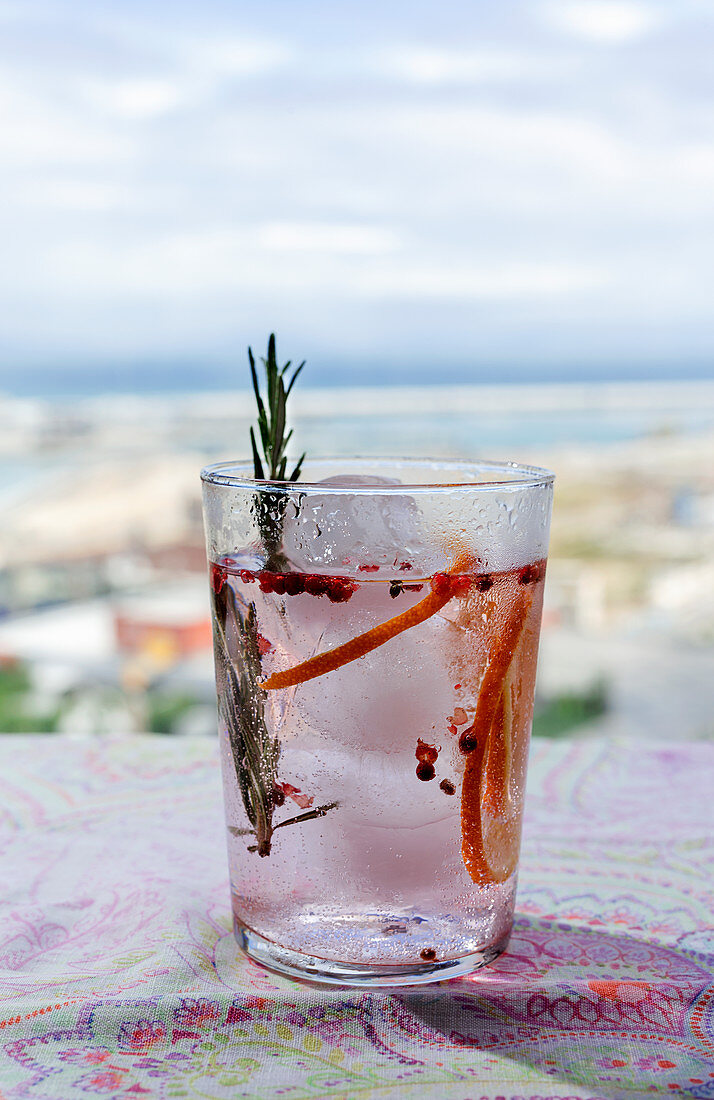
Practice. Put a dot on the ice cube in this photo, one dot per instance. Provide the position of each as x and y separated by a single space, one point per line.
373 788
341 530
389 833
385 700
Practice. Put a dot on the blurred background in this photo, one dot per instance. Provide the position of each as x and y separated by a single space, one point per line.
487 227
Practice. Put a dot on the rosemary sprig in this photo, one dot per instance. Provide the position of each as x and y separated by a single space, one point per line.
255 753
309 815
272 422
254 750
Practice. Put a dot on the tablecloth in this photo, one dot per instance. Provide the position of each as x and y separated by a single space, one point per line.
119 975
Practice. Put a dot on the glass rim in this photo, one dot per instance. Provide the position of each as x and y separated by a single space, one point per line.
237 474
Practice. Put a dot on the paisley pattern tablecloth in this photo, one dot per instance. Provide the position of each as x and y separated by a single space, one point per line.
119 975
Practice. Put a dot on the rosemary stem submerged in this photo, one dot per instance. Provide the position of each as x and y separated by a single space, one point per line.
255 753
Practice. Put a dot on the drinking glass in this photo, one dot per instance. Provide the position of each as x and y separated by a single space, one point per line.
376 632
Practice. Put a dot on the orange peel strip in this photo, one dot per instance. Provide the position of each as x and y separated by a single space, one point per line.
332 659
485 871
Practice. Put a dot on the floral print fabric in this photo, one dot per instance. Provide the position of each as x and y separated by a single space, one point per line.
120 977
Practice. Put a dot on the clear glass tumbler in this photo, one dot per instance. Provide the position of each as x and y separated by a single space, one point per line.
376 632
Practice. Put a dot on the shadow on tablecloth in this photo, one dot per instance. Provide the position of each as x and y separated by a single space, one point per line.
573 1002
569 1011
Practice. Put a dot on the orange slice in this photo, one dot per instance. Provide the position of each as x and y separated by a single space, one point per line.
332 659
489 845
490 834
498 766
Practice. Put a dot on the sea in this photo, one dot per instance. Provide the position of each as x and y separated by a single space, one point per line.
467 421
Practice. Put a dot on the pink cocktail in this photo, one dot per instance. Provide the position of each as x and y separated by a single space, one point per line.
375 665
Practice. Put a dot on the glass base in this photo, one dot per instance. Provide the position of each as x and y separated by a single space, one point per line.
311 968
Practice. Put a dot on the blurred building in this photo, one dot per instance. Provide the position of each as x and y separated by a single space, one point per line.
164 627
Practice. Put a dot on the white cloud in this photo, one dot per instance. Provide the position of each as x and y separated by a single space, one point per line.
135 99
156 174
83 196
38 130
233 55
429 65
196 262
321 237
607 21
497 282
336 262
500 140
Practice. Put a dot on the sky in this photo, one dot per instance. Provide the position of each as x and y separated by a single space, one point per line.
402 192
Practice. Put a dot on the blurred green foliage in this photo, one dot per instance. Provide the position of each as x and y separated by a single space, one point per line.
21 713
165 710
17 714
562 715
